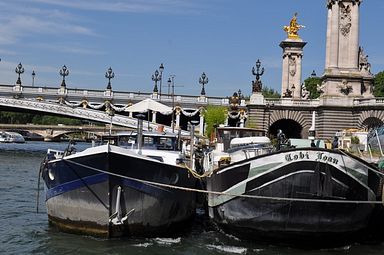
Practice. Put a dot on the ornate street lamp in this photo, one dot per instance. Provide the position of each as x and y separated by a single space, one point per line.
64 72
203 80
156 77
33 78
257 84
109 74
161 69
19 70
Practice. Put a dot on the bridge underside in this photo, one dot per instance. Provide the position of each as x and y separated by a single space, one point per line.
32 106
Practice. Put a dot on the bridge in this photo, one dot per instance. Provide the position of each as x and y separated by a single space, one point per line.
104 106
346 93
54 132
293 115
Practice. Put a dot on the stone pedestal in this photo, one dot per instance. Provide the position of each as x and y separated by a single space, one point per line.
256 98
292 60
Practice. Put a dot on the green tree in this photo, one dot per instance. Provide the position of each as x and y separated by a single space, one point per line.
379 84
311 86
15 117
270 93
214 116
38 119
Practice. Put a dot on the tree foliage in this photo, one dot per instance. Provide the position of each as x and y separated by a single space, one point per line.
214 116
311 86
379 84
270 93
38 119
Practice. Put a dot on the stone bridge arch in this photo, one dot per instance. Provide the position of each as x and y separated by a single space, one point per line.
295 124
370 119
55 135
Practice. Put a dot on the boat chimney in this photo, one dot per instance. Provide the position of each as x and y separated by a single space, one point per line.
312 129
193 123
140 132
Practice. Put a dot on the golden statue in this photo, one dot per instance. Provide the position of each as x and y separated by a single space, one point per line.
293 28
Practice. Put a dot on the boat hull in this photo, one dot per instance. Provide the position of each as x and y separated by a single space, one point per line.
297 184
90 194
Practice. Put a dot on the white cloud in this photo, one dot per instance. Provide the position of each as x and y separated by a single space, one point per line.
19 20
138 6
69 49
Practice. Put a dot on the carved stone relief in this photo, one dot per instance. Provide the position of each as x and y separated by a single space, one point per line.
345 88
292 66
345 19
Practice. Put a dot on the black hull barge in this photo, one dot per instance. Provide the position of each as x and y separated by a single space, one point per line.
309 197
110 191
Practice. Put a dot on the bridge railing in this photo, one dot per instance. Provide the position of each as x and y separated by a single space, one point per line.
290 102
369 101
121 97
52 93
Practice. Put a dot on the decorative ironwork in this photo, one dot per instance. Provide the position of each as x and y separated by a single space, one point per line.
156 77
19 70
33 78
109 74
161 69
257 85
64 72
203 80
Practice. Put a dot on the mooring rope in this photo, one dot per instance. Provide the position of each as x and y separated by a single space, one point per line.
225 193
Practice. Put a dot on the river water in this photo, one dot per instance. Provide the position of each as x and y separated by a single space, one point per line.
24 231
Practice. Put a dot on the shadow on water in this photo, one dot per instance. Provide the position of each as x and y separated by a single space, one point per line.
23 231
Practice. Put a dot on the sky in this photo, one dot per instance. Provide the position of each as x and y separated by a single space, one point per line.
223 38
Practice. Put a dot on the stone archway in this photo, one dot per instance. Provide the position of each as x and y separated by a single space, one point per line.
292 123
371 123
290 128
370 119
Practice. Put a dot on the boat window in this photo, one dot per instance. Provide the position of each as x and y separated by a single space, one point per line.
165 143
156 158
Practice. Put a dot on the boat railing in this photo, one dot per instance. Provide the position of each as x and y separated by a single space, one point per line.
54 154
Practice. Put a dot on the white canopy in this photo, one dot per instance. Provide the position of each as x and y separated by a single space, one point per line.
149 104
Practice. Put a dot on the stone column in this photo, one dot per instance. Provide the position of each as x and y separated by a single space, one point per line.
328 45
354 58
292 61
342 75
334 36
285 73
